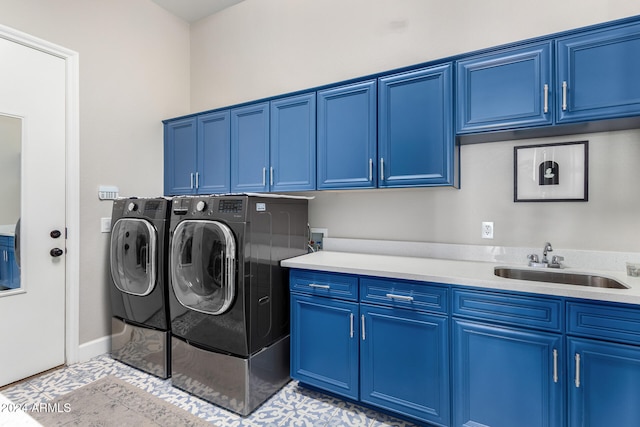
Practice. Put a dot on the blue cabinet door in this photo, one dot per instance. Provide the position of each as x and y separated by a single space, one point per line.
597 74
180 157
9 270
504 377
604 383
214 153
347 137
415 128
14 270
293 143
505 90
250 148
324 343
5 271
405 362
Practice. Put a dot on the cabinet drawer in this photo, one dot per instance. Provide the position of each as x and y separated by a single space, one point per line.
333 285
610 322
400 293
516 310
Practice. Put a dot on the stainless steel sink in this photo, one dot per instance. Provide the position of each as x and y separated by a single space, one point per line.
559 277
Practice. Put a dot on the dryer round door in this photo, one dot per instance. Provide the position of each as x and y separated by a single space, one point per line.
134 256
203 255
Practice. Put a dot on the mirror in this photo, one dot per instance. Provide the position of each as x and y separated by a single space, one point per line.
10 185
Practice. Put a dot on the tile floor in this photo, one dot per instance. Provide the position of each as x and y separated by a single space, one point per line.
291 406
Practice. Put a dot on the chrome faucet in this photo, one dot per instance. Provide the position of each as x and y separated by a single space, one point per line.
544 262
547 248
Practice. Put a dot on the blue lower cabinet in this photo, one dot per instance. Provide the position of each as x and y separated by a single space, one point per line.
506 377
604 383
373 340
5 270
324 343
488 358
404 362
9 271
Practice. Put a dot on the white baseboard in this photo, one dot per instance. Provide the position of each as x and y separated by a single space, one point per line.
94 348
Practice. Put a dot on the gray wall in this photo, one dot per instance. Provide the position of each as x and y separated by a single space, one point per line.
134 72
258 49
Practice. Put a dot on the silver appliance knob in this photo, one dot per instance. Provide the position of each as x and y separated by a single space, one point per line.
132 207
201 206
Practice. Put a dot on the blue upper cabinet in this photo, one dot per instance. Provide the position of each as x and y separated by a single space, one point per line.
250 148
214 145
180 157
347 136
415 128
505 89
196 155
273 145
293 143
597 74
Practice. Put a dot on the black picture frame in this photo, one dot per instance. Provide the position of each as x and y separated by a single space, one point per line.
557 172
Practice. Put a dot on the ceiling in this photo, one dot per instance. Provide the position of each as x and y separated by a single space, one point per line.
194 10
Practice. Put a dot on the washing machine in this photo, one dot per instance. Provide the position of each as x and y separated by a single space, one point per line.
228 296
140 325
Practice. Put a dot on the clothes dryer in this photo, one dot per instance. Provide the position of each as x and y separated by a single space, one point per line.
140 326
229 302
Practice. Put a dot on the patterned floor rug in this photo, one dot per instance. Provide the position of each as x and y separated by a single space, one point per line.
113 402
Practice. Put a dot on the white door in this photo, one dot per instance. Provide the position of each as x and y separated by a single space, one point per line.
32 316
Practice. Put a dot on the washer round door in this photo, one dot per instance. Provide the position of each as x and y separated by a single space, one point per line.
134 256
202 266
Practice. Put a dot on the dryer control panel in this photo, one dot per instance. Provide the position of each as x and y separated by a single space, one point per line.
230 206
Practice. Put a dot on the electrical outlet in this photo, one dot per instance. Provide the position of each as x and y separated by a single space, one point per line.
487 230
105 225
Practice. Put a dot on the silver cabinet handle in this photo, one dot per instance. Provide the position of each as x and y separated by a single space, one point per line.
191 181
197 180
264 176
381 168
577 370
313 285
363 334
351 333
555 365
546 98
564 96
370 169
271 176
400 297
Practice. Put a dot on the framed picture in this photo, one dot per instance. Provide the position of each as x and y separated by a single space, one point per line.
551 172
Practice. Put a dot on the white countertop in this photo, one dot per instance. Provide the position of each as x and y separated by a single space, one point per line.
467 273
7 230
